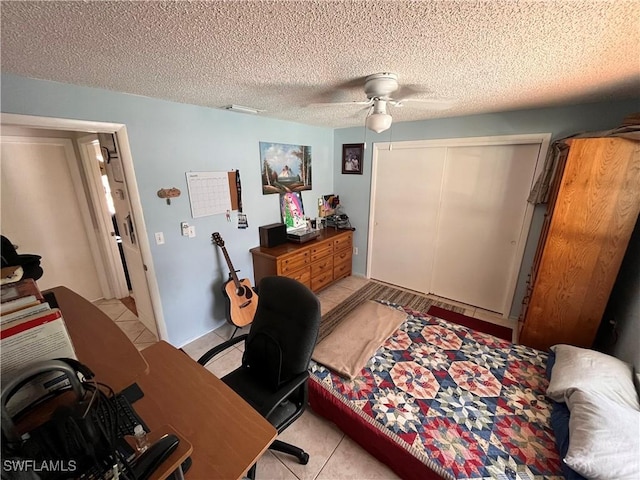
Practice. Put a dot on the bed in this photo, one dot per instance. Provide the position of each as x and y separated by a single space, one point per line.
440 400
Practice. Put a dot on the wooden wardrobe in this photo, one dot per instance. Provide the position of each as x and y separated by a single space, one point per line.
593 207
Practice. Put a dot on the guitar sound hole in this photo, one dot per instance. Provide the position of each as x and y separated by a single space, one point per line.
244 292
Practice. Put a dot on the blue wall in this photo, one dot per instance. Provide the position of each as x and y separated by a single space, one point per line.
355 190
168 139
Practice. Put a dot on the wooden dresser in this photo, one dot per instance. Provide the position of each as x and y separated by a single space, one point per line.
317 263
593 207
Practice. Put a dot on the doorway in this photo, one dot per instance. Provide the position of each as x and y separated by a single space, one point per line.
138 256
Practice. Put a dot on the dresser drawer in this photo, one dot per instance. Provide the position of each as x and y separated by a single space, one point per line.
342 269
321 267
317 282
321 250
343 242
303 276
343 256
293 262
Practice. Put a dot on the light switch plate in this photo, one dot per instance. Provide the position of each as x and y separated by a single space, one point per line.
192 231
159 238
184 226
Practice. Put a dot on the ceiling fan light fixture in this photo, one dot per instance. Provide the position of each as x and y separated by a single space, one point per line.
379 120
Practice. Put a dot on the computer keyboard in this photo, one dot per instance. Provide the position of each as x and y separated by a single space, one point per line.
127 419
127 416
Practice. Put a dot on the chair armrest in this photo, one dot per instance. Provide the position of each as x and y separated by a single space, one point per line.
272 401
206 358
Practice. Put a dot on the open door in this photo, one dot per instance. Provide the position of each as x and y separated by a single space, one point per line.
99 191
126 229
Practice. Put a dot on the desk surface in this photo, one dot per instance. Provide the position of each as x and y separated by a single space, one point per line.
99 342
227 435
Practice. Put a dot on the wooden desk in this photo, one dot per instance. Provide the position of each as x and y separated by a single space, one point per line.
228 436
98 341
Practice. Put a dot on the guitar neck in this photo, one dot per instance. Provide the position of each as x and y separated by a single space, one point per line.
232 270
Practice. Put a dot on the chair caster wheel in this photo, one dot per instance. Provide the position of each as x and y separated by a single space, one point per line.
304 458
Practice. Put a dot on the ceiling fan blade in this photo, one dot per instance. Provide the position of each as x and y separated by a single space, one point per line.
431 103
413 90
329 104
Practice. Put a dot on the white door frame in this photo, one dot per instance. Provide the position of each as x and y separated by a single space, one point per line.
120 131
543 139
114 270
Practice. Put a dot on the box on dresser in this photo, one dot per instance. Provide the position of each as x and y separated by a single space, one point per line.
272 235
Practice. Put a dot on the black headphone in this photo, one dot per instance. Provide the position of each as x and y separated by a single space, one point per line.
84 432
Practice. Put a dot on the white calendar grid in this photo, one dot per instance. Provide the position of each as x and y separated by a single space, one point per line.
208 193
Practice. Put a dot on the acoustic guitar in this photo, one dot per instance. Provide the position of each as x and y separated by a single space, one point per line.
241 300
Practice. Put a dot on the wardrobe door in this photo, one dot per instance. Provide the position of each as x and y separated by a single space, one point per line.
406 193
480 223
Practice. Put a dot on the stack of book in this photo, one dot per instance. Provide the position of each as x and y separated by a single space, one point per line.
30 331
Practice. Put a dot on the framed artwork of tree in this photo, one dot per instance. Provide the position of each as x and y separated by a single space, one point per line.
285 168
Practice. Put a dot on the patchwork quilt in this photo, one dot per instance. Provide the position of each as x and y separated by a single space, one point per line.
466 404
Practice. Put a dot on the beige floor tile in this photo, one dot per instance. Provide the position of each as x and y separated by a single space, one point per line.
105 301
146 337
353 283
132 329
269 467
113 310
225 362
126 316
316 436
226 330
334 294
201 345
350 460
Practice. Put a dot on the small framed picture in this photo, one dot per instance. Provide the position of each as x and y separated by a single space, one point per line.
352 154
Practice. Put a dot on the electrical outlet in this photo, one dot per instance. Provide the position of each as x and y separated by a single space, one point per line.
355 250
184 226
159 238
192 231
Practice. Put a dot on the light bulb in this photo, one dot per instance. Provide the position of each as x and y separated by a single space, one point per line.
379 120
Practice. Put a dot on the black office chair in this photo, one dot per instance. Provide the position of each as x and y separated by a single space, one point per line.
274 371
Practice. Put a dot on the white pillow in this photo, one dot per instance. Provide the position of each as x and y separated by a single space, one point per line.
604 437
591 371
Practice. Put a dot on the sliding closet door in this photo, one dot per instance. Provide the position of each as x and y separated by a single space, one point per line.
405 196
481 220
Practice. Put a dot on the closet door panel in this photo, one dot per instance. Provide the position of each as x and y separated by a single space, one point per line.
407 193
480 221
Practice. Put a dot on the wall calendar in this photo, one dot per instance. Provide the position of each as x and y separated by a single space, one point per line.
209 193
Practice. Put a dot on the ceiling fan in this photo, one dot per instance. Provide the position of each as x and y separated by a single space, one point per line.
382 90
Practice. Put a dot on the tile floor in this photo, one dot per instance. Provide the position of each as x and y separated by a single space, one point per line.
333 455
128 322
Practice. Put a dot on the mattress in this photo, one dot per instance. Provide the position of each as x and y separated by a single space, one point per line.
440 400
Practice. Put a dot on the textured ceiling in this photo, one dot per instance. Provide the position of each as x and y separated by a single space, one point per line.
486 56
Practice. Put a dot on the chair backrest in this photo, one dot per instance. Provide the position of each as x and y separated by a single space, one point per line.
284 331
